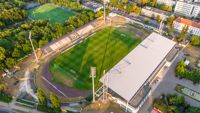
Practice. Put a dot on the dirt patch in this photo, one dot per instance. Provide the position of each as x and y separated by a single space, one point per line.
193 55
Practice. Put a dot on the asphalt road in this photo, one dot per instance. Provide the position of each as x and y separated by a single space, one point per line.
5 111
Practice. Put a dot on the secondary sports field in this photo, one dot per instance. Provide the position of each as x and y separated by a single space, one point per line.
102 50
53 13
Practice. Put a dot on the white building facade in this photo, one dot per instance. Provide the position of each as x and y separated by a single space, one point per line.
194 27
187 9
150 11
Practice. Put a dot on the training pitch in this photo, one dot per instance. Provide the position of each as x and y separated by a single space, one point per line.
102 50
53 13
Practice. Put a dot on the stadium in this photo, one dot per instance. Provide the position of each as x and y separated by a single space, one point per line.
66 72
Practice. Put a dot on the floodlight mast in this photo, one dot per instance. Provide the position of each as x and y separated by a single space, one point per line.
93 75
161 25
33 47
104 3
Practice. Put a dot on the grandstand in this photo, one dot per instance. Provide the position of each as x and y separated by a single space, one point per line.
130 81
70 37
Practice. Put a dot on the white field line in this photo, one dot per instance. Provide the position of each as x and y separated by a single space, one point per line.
53 86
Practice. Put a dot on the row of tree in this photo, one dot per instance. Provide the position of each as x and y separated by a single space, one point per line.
72 4
43 103
125 6
174 104
161 6
81 19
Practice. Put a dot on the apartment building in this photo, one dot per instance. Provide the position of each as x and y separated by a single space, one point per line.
188 9
194 27
167 2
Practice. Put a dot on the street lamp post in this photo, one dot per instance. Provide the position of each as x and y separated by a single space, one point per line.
104 3
33 47
93 75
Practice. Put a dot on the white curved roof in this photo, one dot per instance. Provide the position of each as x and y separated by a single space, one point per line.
133 70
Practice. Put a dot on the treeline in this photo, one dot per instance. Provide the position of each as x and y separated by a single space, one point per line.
161 6
125 6
15 43
66 3
11 12
81 19
174 104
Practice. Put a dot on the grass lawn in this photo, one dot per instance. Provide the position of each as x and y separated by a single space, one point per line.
102 50
53 13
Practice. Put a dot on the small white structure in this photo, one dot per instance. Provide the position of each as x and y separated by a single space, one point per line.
194 27
129 82
187 62
187 9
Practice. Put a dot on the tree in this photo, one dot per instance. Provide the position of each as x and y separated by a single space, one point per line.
10 62
2 53
181 69
142 2
193 110
195 41
171 29
159 19
41 97
16 53
146 21
153 16
170 20
55 102
125 1
183 34
114 2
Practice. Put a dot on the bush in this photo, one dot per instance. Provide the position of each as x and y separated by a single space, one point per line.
195 41
183 72
5 98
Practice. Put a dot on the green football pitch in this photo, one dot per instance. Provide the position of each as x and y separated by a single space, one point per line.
53 13
102 50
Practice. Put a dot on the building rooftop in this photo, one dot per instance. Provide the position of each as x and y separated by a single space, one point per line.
188 22
158 10
130 74
92 5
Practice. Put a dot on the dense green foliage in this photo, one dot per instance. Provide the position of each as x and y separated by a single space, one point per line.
195 41
174 104
41 97
80 19
55 103
72 4
16 43
5 97
103 50
11 11
130 7
183 72
161 6
51 12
